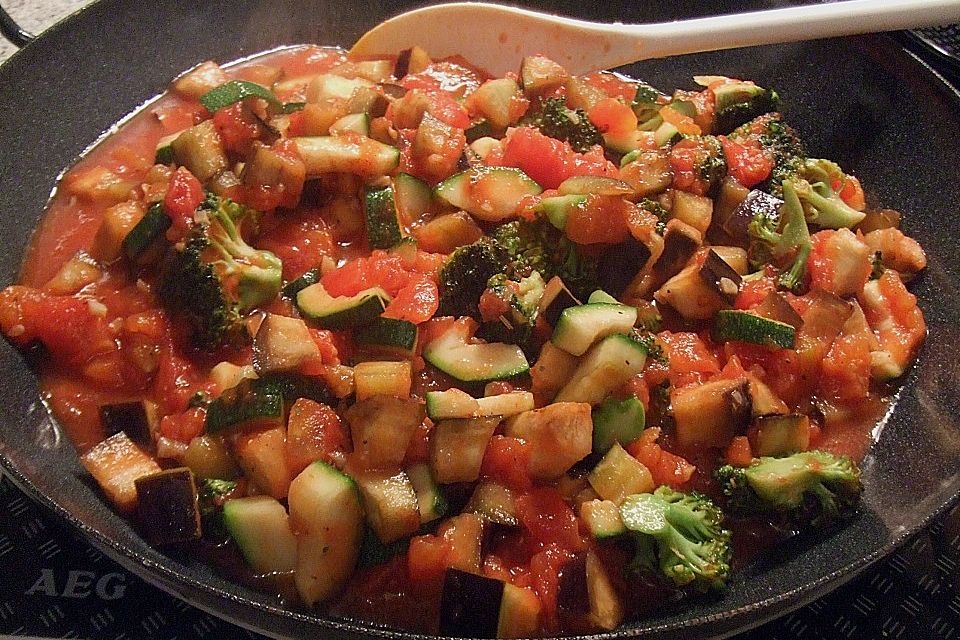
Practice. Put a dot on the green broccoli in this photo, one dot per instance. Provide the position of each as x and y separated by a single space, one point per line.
679 536
821 204
556 120
781 142
812 488
740 102
464 277
517 325
541 247
793 240
213 277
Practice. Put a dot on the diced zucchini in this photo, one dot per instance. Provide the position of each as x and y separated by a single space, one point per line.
387 378
208 457
234 91
118 221
711 414
389 335
381 427
493 502
326 513
557 209
341 312
413 197
200 150
552 370
619 475
374 552
358 123
263 457
579 327
457 448
292 288
151 228
606 366
743 326
559 435
75 274
282 344
602 518
447 232
617 421
383 227
454 403
451 353
782 435
346 154
330 85
430 499
495 100
492 194
251 404
539 74
115 464
261 528
390 504
164 149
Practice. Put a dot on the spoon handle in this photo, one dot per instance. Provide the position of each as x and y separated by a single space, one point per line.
788 25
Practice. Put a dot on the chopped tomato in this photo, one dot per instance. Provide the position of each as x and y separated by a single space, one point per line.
419 448
237 126
448 76
746 162
184 195
753 292
175 114
851 192
301 240
739 453
612 84
846 368
613 116
416 302
665 467
379 269
691 361
547 160
603 219
427 557
506 460
545 568
684 124
184 427
688 158
549 519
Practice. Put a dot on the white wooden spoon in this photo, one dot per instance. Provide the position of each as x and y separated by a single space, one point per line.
496 37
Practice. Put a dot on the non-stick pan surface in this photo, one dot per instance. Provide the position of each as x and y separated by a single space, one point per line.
863 102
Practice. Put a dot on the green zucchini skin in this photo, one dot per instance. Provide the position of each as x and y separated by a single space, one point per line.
733 325
389 334
383 227
341 312
152 227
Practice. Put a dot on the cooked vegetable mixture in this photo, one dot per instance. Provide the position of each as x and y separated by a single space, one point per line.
491 357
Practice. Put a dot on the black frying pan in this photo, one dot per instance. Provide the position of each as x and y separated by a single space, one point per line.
863 102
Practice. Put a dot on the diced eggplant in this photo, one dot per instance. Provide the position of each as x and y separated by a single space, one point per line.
620 263
736 257
560 434
696 211
680 242
556 297
776 307
263 457
539 74
115 464
390 504
200 150
720 277
519 612
689 295
282 344
573 595
757 203
711 414
648 172
494 502
267 168
412 60
585 590
167 506
732 193
782 435
469 605
132 418
381 428
457 448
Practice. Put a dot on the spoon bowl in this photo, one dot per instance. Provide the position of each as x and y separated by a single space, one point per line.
497 37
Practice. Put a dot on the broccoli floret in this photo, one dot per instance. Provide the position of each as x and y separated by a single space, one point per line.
680 536
517 325
821 204
213 277
747 102
812 488
556 120
781 142
794 239
464 277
